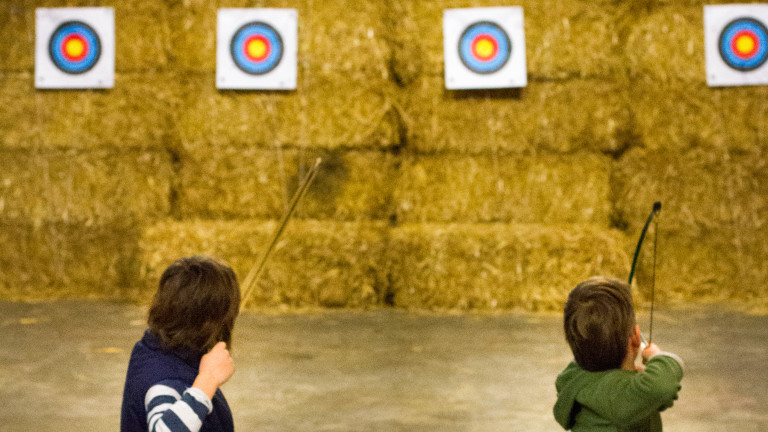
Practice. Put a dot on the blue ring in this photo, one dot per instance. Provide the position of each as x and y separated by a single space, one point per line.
237 48
502 55
65 30
729 32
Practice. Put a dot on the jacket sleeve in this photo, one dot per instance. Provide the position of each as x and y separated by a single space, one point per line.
168 410
646 392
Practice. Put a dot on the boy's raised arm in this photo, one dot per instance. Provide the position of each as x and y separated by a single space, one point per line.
170 410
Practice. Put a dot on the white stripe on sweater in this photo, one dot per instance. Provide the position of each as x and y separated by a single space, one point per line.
180 408
160 390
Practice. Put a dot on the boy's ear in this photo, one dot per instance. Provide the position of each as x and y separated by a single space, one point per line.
635 339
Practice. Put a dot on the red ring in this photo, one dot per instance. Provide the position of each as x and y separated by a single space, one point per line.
64 47
490 39
267 50
755 44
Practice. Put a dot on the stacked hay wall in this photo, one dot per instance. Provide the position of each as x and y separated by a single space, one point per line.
427 198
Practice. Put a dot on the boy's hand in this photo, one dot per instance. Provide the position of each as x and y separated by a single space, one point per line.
651 350
216 367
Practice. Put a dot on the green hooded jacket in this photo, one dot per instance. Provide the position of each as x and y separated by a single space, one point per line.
617 400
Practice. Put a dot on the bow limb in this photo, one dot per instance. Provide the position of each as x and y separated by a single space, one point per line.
656 209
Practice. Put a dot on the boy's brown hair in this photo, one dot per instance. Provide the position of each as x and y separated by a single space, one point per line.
599 319
195 305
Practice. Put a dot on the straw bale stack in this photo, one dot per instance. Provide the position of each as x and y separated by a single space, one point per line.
245 182
684 117
45 260
564 39
713 229
667 46
498 265
316 263
547 117
84 186
135 114
541 189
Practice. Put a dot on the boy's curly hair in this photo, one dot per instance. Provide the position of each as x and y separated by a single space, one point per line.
599 319
195 305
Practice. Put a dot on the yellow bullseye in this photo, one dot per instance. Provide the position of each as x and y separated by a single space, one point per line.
745 44
257 48
74 48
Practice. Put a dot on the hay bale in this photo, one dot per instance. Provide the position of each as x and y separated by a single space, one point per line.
564 39
234 182
579 115
717 266
341 98
136 113
324 113
685 117
543 189
713 229
20 125
142 29
316 263
667 46
701 190
87 187
340 38
498 266
17 25
46 260
141 33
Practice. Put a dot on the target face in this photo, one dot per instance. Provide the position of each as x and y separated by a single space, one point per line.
75 48
256 49
744 44
484 48
736 44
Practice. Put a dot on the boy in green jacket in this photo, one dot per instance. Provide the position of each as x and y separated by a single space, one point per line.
603 390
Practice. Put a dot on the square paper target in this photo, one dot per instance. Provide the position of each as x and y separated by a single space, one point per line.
736 44
256 49
74 48
484 48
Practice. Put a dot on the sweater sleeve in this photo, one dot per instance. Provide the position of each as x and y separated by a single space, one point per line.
171 411
646 392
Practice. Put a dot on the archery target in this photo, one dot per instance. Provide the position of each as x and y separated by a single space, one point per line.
74 48
484 48
744 44
256 49
736 41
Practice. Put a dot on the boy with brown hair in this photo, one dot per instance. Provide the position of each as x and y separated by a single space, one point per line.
176 369
602 389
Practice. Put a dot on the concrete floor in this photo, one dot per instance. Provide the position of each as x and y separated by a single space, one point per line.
63 365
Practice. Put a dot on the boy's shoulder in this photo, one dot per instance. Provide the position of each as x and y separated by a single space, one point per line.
617 396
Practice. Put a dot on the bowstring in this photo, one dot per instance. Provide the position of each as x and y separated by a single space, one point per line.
653 278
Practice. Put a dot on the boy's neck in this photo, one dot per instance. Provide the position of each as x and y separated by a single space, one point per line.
629 360
629 363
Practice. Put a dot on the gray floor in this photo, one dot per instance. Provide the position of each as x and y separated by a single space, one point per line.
63 365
